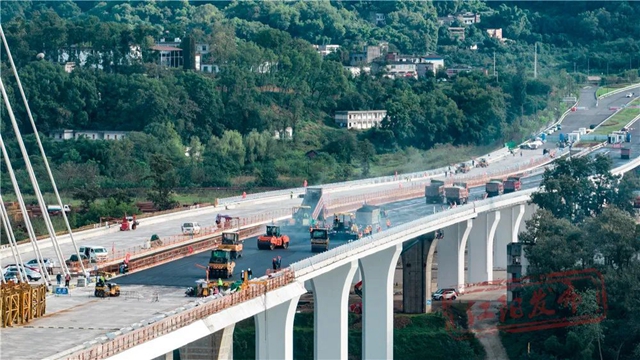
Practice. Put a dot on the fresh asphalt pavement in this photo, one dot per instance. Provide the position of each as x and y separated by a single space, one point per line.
184 272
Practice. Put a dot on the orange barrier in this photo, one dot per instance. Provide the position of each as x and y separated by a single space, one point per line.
172 323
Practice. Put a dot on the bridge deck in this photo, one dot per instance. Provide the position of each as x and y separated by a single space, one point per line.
72 320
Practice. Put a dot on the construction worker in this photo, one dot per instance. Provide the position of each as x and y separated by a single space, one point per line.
291 194
275 263
220 284
279 262
250 273
59 279
242 275
388 223
67 278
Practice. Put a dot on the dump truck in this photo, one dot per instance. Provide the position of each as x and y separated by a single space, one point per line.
220 264
231 241
434 192
272 239
512 184
482 163
494 187
319 240
344 227
457 194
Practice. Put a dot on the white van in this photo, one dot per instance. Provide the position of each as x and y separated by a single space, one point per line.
191 228
94 252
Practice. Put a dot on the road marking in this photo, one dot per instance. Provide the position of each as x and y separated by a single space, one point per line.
69 328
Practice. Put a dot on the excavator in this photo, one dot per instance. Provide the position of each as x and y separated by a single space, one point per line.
272 239
344 227
231 242
319 240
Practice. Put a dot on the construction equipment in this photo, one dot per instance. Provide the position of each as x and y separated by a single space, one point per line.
220 264
319 240
512 184
207 287
231 241
273 239
225 221
463 168
483 163
129 223
344 227
301 215
434 192
106 289
457 194
494 187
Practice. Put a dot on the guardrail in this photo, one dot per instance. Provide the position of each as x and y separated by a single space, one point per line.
617 91
184 318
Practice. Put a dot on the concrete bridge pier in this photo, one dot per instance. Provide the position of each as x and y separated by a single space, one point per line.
274 331
378 270
507 233
481 247
417 262
331 305
218 345
451 255
511 224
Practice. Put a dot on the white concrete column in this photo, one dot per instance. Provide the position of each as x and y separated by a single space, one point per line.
274 331
331 303
377 301
506 234
225 351
451 255
168 356
481 246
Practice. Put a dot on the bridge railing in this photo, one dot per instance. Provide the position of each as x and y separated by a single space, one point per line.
184 318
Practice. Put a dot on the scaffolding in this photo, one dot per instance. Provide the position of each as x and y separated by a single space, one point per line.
21 303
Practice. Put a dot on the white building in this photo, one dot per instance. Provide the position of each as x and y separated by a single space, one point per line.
61 135
412 65
325 50
360 120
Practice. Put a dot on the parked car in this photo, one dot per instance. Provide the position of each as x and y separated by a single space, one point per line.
11 276
74 258
445 294
191 228
31 275
95 252
48 264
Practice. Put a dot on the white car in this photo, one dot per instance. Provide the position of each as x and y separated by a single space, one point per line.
630 95
191 228
445 294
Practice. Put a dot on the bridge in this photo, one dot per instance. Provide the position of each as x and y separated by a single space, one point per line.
150 322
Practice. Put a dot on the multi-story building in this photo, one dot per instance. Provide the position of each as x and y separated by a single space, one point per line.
61 135
360 120
369 54
495 33
412 65
469 18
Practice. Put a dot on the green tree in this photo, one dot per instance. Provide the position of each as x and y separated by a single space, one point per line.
164 180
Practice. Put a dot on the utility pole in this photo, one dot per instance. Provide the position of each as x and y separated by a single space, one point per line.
535 60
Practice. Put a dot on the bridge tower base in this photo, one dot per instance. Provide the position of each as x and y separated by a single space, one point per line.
481 247
417 262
